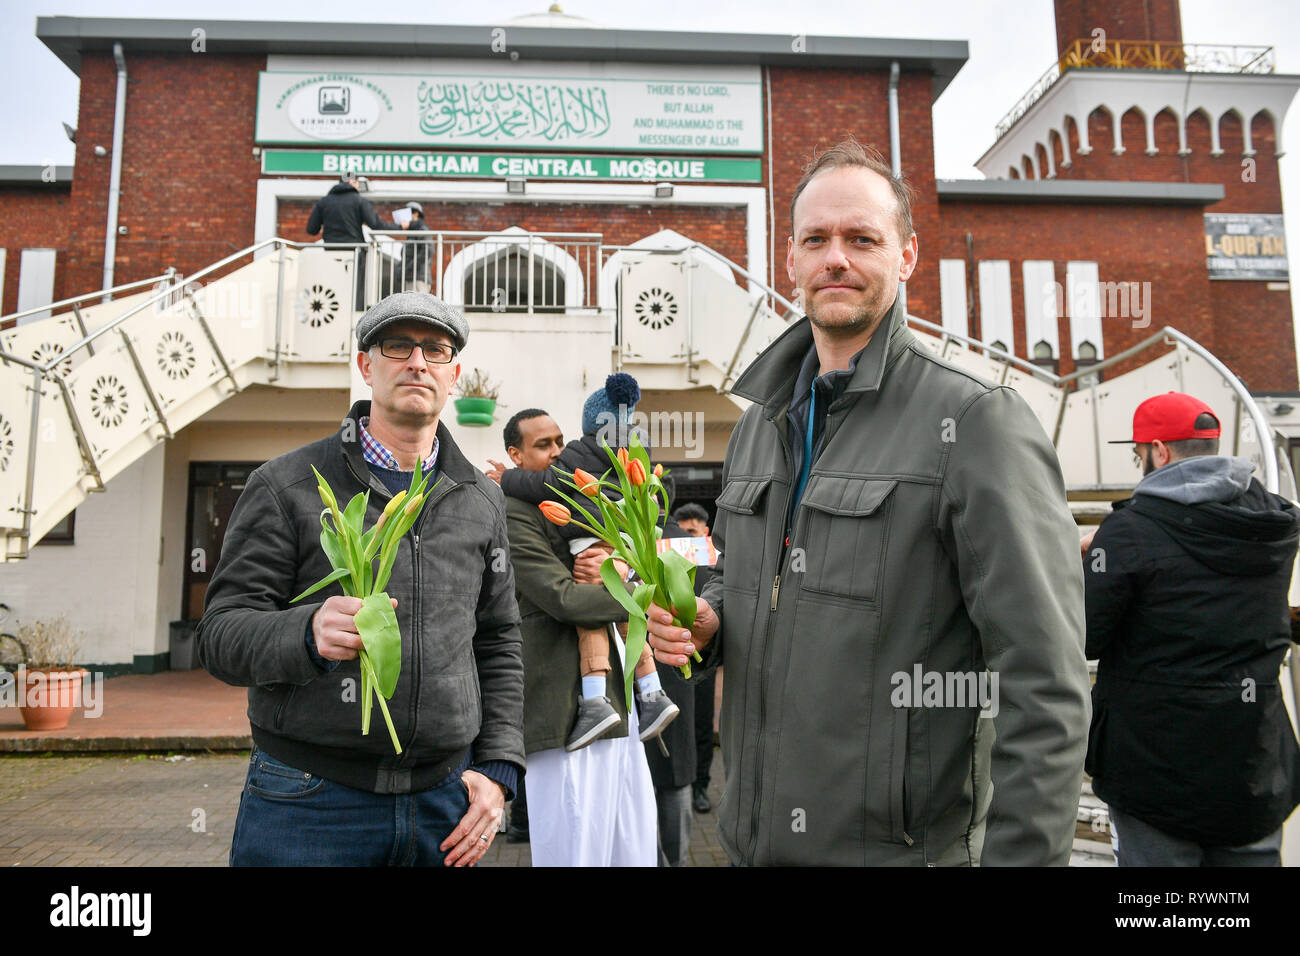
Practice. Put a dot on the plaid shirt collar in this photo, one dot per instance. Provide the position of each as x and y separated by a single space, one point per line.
376 454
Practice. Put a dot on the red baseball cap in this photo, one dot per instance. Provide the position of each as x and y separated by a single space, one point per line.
1170 417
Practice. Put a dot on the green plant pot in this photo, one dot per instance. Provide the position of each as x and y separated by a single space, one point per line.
477 412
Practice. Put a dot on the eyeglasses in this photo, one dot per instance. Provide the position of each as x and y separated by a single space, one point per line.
435 353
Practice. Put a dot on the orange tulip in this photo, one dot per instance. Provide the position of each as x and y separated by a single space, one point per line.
587 483
555 513
622 458
636 472
659 470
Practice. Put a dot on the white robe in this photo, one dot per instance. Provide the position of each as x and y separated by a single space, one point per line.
595 806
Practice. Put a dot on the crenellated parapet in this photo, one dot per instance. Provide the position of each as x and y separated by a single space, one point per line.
1053 127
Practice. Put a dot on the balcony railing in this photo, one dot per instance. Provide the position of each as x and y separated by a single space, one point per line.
1141 55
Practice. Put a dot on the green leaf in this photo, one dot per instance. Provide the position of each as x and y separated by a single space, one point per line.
377 624
366 695
354 515
636 450
328 579
636 633
618 590
636 637
677 582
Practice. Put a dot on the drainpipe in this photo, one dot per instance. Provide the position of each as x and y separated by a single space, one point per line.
115 171
895 161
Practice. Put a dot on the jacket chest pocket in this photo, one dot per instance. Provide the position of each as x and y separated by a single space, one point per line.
844 536
742 518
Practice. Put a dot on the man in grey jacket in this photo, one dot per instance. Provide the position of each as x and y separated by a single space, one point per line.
318 792
900 577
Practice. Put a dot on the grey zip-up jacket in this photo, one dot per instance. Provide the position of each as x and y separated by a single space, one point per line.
933 537
462 679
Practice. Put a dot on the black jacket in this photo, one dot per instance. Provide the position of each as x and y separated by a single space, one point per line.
462 680
1188 617
340 213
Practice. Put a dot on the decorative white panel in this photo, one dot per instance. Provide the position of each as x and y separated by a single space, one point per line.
60 470
177 358
45 340
109 398
35 281
15 426
652 307
1041 305
317 319
995 303
240 310
952 295
1083 305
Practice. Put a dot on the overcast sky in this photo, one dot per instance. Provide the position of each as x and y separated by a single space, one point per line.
1012 42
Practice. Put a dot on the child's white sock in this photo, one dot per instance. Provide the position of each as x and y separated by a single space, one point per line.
593 686
649 684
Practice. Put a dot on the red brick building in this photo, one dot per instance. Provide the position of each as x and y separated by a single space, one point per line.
1112 208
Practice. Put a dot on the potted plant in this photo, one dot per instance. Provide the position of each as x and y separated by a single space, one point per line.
49 683
477 404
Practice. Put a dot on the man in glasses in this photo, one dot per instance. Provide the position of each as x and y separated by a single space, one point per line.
1185 585
318 792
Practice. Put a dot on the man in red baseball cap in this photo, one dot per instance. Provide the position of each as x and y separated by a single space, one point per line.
1172 417
1185 590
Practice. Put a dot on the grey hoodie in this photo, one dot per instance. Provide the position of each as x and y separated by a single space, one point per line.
1194 481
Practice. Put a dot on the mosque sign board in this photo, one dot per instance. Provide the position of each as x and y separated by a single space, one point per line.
459 104
1242 245
437 164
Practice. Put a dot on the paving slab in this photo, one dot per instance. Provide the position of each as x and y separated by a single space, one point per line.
173 710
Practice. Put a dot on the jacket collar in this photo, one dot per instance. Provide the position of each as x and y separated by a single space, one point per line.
452 463
770 378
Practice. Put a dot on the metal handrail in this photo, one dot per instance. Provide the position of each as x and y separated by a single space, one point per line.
75 300
166 293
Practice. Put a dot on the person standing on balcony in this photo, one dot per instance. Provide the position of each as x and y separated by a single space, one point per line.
317 791
417 250
340 214
1186 587
895 542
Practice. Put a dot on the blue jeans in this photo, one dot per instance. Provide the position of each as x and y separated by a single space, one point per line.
1138 843
291 818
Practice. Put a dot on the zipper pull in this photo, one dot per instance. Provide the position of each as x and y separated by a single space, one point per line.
776 589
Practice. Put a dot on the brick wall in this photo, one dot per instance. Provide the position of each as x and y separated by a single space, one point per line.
35 217
189 177
1121 19
720 227
1163 245
1251 188
817 108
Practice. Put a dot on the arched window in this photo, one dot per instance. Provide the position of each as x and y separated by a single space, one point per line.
500 272
499 282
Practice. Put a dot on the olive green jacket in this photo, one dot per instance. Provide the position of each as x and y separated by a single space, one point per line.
933 536
551 604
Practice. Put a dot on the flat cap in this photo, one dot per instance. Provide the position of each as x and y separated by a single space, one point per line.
412 307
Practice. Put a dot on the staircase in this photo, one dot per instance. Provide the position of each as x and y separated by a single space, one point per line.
90 384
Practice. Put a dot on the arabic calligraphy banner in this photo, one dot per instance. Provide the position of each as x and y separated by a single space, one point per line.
610 106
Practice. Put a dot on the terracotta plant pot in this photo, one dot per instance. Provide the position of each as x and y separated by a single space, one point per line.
54 695
475 411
